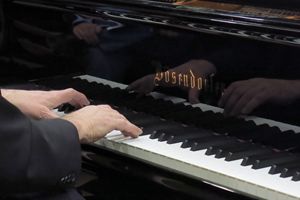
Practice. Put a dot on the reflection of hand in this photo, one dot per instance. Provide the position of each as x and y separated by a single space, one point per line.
38 104
94 122
242 97
200 68
87 32
143 85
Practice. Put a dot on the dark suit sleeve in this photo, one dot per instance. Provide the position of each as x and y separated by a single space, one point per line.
36 155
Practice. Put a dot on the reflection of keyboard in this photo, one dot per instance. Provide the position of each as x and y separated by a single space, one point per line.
257 157
108 24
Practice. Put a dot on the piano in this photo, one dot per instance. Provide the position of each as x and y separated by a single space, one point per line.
189 149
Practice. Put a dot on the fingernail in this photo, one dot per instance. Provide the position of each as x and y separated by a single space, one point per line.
141 131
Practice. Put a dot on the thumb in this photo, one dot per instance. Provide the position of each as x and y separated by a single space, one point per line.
134 85
194 96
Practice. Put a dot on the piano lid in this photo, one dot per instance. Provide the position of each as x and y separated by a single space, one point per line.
289 11
276 21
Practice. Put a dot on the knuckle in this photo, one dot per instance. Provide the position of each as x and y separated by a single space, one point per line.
123 122
105 106
71 90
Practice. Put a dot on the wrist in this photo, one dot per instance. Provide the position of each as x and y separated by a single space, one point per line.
295 84
5 93
8 93
207 68
78 125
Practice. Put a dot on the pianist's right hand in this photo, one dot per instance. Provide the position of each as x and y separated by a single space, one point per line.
94 122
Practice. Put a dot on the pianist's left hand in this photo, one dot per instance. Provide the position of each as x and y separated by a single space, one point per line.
242 97
38 104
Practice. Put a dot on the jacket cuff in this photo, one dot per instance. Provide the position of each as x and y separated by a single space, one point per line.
61 146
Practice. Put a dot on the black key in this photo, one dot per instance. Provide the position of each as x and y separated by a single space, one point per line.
189 136
165 134
291 171
213 150
278 168
211 141
208 119
189 142
162 133
256 150
178 114
296 176
250 133
66 108
288 140
227 124
164 125
250 160
223 151
187 116
173 110
261 163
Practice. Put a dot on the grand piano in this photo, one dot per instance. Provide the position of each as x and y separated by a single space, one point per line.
186 151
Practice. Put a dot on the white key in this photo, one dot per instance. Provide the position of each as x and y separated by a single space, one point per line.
199 166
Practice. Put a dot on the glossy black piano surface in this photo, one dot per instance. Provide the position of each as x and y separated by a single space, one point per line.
134 38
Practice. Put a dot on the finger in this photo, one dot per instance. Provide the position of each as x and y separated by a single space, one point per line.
134 85
77 98
69 95
227 93
232 100
194 96
77 33
140 90
128 128
243 101
105 106
113 114
255 102
81 33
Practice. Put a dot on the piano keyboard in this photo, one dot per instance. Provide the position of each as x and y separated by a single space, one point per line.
253 156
